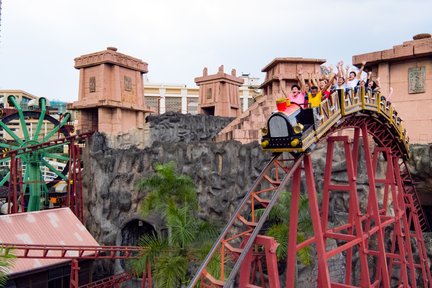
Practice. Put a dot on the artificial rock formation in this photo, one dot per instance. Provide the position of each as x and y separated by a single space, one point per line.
176 127
222 172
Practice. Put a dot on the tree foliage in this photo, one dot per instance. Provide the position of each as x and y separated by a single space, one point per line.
279 219
6 260
171 255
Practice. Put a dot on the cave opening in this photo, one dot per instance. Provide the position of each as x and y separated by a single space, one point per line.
132 232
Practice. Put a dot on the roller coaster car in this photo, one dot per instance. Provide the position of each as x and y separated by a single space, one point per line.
290 129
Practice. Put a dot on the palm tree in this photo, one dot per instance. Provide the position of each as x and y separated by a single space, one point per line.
6 259
173 255
279 218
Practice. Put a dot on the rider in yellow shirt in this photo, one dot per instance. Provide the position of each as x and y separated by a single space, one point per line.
314 97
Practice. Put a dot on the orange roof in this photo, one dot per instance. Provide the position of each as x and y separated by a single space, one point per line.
47 227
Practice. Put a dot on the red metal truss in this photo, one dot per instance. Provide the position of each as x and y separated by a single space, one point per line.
74 138
112 281
239 235
74 194
74 252
14 185
385 138
360 237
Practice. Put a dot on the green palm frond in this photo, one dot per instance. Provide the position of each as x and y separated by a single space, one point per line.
207 231
214 266
280 233
167 185
170 271
151 202
304 254
182 225
279 219
155 246
7 259
174 197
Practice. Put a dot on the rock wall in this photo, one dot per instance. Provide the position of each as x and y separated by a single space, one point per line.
177 127
420 166
222 172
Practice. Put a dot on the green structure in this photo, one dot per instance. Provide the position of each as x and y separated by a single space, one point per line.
41 167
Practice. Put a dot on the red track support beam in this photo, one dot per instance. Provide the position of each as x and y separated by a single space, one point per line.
14 183
323 271
373 210
74 276
293 225
74 195
248 272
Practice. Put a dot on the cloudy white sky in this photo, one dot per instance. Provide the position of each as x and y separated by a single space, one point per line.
177 38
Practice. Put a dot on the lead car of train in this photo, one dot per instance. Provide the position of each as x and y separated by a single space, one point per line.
297 130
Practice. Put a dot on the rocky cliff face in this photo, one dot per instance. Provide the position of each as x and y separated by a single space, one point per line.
420 166
222 172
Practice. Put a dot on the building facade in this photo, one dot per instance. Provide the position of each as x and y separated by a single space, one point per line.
164 97
407 69
23 98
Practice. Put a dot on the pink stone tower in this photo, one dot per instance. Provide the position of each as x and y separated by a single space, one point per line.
407 69
111 96
219 93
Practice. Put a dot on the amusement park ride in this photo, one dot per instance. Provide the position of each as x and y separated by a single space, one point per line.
245 256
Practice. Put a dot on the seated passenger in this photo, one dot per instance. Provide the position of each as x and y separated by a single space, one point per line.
296 96
361 83
353 77
314 97
324 86
340 84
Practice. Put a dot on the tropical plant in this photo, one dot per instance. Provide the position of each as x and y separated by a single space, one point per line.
278 228
6 260
173 254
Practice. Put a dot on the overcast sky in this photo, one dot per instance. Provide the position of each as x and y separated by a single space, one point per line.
40 39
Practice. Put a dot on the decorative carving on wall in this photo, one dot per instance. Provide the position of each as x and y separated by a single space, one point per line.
416 79
128 83
92 84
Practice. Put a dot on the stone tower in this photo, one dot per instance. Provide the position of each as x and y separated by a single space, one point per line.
407 69
219 93
281 74
111 96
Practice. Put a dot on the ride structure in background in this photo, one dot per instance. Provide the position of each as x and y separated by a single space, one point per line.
369 133
38 152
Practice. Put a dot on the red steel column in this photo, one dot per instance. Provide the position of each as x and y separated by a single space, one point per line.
74 280
323 271
374 210
292 232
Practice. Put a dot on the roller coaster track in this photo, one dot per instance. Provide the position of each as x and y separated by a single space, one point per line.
242 247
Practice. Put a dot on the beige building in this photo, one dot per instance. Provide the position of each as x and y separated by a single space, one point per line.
163 97
407 68
22 97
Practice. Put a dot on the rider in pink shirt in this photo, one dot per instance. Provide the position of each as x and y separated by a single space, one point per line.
296 96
